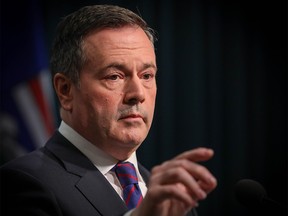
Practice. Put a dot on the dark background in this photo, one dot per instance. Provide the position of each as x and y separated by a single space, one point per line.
222 83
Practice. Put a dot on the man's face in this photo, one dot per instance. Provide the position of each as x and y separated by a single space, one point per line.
114 106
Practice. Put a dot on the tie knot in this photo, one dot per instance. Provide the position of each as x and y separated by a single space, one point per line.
126 173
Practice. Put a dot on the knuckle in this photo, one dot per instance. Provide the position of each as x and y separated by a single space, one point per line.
155 169
201 169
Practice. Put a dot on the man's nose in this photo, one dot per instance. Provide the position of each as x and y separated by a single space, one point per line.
134 91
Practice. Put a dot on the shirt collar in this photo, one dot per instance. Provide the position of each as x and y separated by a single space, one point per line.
103 161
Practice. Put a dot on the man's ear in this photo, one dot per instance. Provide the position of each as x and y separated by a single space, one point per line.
63 88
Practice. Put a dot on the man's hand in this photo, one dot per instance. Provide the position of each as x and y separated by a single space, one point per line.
176 186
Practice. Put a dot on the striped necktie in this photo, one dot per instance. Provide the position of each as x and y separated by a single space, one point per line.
126 174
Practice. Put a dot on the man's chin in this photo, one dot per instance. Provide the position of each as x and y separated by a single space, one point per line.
131 143
124 148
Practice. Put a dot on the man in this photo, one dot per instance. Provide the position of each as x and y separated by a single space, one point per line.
104 67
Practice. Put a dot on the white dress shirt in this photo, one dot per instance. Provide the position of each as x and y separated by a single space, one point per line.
100 159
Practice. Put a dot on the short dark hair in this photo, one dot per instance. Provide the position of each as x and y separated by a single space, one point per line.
67 54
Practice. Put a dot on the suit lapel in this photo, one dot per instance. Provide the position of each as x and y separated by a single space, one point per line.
101 194
144 173
92 184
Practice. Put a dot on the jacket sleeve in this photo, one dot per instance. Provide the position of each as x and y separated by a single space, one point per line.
22 194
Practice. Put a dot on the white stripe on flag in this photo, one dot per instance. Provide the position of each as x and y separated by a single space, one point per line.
31 114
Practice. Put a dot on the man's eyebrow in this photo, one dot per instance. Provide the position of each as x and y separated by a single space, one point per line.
115 65
121 66
149 65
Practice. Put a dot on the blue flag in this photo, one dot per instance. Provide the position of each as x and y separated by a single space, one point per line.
27 116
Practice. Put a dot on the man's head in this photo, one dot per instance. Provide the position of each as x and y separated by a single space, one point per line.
68 56
104 67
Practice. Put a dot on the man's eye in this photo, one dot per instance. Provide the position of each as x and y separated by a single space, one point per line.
147 76
113 77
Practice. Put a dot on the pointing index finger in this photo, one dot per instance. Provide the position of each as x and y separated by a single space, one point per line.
196 155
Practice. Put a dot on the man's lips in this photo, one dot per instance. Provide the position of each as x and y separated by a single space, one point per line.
131 116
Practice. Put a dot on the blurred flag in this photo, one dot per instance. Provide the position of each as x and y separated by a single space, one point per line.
27 107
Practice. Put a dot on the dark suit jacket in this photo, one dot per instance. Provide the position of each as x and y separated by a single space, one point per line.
58 180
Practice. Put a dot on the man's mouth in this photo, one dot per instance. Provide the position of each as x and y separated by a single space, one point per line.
131 116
